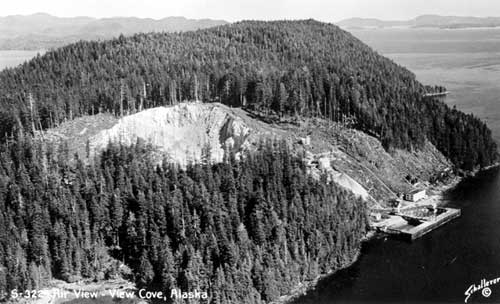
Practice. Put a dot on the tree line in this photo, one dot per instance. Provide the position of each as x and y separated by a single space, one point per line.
245 231
285 68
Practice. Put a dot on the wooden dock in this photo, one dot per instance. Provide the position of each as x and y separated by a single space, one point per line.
409 230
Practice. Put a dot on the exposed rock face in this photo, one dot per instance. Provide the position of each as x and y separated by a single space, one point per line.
360 157
192 132
186 132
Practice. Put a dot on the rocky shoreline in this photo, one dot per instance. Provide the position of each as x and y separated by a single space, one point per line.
305 287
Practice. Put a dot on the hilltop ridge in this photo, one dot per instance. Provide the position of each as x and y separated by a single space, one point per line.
282 68
353 129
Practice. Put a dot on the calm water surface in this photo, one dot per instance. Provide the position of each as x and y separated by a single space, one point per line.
466 61
439 267
12 58
436 268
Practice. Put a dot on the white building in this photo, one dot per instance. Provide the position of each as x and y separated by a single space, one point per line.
416 195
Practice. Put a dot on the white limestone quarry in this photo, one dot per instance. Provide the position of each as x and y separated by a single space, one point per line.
351 158
184 132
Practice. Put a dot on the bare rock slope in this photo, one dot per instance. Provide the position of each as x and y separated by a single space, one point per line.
185 132
189 132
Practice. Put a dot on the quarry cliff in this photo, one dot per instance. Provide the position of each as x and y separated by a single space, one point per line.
183 132
194 132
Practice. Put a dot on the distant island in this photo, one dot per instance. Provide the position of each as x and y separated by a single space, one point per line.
429 21
44 31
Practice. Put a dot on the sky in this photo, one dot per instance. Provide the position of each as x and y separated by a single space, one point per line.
234 10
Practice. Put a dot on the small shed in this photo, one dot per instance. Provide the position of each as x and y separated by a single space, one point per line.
416 195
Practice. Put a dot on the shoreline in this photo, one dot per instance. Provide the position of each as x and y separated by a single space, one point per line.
492 166
304 287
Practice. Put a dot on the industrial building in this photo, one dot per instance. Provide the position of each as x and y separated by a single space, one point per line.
415 195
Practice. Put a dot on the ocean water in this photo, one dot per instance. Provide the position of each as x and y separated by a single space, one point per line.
465 61
441 266
437 268
12 58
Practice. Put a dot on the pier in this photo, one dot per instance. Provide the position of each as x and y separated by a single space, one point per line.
416 227
412 223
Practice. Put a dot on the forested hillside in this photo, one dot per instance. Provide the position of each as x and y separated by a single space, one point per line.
244 231
286 67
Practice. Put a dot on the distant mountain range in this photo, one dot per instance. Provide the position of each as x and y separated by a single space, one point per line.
432 21
43 31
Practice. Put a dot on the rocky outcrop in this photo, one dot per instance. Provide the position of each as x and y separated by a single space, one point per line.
192 132
187 132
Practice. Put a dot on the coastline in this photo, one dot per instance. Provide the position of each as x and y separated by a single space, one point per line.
304 287
492 166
